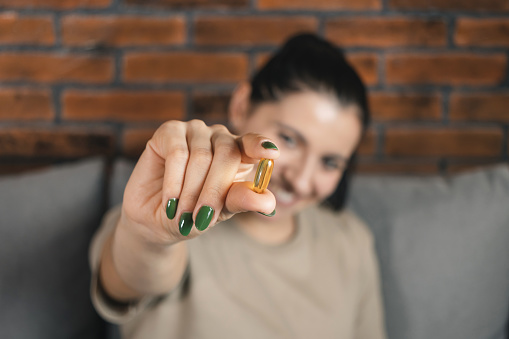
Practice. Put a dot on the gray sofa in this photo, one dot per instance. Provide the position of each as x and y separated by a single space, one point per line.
443 245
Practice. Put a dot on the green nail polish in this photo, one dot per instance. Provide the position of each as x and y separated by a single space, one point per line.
204 217
269 145
269 215
186 223
171 208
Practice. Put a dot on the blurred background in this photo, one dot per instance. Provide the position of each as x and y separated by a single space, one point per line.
96 77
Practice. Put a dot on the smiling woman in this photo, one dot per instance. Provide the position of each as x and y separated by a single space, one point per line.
316 136
186 256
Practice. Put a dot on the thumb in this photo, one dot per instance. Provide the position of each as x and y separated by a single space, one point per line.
241 198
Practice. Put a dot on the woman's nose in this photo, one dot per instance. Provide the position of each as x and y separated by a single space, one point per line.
302 175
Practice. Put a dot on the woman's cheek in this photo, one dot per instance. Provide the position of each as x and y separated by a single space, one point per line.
328 184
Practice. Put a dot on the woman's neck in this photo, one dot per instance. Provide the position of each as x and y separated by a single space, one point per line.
269 232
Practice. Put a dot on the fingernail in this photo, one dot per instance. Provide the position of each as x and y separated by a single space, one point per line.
186 223
269 145
204 217
171 208
269 215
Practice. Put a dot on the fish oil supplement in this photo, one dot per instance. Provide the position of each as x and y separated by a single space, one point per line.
262 176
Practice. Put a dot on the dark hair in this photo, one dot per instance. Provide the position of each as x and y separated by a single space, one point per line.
308 62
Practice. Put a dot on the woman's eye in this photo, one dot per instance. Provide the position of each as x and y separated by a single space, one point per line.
288 140
332 164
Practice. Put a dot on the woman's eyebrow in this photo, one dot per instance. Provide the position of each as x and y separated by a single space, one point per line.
302 139
294 131
337 157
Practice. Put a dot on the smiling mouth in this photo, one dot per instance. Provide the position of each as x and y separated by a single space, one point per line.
284 197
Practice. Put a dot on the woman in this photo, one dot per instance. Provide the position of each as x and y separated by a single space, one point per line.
180 260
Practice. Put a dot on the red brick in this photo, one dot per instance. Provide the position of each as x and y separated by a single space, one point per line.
26 30
473 142
199 4
54 143
396 167
368 143
480 106
25 104
123 105
250 30
320 4
135 140
467 5
211 107
366 64
47 67
386 32
55 4
404 106
482 32
447 69
185 66
122 31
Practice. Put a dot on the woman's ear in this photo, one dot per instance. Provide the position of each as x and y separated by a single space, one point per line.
238 110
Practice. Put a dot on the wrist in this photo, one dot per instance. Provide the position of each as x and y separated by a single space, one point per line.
146 265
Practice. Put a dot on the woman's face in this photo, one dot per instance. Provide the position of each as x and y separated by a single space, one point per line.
316 136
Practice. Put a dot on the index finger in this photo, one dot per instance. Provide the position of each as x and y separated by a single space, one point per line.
254 146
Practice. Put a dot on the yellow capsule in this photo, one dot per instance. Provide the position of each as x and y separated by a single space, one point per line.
262 176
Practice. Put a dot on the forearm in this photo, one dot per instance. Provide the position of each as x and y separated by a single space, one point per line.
132 267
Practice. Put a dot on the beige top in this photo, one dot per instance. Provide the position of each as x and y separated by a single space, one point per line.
322 284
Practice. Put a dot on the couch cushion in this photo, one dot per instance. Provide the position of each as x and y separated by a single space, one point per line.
46 221
443 249
443 245
122 169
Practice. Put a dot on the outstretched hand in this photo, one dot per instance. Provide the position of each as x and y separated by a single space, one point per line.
190 173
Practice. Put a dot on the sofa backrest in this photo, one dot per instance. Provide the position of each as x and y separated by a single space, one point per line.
443 246
47 219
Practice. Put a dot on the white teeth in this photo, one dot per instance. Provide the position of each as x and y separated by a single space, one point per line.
285 197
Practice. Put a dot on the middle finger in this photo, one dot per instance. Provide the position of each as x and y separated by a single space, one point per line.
200 158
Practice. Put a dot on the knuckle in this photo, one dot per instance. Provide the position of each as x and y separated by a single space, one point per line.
228 160
202 156
220 128
195 123
179 152
167 130
226 144
255 138
151 143
202 152
214 193
228 153
171 125
259 138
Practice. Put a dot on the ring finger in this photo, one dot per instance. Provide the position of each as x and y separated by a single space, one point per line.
200 158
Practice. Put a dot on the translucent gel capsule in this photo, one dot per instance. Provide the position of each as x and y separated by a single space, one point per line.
262 176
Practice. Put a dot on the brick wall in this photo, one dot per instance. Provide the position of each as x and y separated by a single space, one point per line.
88 77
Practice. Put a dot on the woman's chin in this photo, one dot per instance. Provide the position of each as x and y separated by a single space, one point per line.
289 209
288 203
